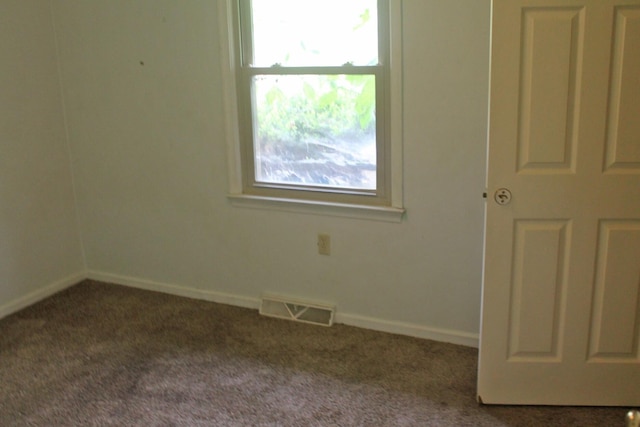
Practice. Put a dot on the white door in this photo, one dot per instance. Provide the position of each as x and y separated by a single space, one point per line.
561 291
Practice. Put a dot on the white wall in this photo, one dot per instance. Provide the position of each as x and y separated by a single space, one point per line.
39 241
143 89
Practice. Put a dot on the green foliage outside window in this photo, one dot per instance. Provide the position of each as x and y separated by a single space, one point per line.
330 106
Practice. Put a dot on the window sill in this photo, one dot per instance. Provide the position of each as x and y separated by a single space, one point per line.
375 213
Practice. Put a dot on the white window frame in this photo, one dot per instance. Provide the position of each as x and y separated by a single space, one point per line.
386 204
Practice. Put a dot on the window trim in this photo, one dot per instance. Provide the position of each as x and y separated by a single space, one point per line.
391 207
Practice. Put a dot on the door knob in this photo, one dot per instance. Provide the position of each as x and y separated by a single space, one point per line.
502 196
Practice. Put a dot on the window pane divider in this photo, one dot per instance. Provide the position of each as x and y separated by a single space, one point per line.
346 70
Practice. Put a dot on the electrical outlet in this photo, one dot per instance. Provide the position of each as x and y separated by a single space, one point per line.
324 244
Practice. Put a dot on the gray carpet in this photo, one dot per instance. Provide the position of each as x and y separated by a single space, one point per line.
101 354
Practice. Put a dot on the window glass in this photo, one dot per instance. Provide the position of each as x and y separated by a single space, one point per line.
317 130
305 33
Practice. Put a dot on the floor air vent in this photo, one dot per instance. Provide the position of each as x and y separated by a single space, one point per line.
300 311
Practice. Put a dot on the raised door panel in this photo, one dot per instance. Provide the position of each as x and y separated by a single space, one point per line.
623 124
615 328
539 279
551 53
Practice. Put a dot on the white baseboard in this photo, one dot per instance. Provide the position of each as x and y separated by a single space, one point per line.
40 294
150 285
401 328
409 329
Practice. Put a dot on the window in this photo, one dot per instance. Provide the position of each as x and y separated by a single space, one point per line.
314 86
